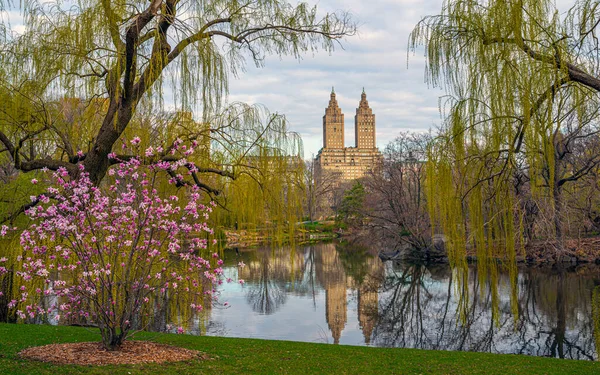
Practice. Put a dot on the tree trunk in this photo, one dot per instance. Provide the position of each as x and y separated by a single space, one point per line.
558 224
6 286
117 118
111 339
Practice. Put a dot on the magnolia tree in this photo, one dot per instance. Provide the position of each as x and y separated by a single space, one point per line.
110 254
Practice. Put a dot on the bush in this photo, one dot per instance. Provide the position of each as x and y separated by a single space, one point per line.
110 255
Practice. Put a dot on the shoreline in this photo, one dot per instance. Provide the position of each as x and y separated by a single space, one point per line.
539 253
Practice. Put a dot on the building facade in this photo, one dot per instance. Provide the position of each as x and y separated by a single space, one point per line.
348 163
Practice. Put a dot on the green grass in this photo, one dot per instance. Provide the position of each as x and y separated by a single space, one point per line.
246 356
323 226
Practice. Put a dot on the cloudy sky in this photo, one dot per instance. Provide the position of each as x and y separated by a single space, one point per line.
375 58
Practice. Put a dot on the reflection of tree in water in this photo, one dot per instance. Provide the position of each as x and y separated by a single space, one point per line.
172 311
596 316
266 294
419 308
557 306
401 310
354 260
270 276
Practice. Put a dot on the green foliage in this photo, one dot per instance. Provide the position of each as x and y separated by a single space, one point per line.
82 48
351 208
82 78
321 226
521 79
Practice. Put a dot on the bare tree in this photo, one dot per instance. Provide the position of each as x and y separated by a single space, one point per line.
396 197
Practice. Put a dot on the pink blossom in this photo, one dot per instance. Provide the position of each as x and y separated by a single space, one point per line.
86 228
34 181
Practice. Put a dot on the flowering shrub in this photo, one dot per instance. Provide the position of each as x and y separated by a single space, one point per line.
110 254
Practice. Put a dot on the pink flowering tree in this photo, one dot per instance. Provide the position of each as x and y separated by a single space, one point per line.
110 254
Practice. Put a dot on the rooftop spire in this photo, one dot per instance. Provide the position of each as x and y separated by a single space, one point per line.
332 90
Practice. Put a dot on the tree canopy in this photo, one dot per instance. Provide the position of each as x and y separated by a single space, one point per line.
79 75
522 114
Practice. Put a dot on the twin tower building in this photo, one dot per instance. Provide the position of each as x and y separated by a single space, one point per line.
347 163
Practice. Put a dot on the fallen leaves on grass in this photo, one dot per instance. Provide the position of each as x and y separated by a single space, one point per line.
93 353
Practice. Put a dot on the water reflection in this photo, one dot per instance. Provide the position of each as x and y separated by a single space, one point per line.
343 293
419 309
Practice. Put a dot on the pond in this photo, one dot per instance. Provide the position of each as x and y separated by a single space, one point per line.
344 294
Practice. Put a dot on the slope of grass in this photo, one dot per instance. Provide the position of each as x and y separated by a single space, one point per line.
247 356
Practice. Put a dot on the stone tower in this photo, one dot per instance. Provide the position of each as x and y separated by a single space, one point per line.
364 124
347 163
333 124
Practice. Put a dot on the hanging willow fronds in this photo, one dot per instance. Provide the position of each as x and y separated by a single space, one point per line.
524 84
128 53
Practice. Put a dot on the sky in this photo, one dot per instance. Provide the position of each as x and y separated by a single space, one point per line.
375 58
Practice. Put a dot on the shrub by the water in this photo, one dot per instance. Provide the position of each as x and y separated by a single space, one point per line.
108 255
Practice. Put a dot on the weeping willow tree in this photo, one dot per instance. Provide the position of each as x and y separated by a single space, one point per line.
79 79
523 86
120 58
262 187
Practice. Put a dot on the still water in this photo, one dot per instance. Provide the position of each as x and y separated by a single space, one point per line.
344 294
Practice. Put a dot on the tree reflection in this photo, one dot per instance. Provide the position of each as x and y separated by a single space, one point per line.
266 294
270 276
354 259
534 311
419 308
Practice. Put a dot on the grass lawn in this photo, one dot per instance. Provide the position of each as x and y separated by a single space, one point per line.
246 356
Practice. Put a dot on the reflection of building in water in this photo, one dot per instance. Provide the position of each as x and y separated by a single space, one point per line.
336 310
368 305
332 277
335 280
